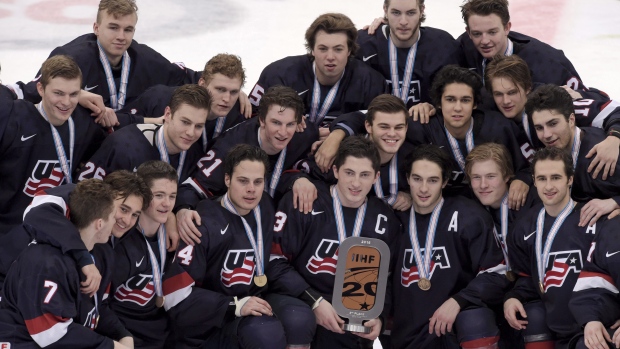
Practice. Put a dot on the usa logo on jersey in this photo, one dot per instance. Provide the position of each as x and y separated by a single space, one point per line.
325 258
559 265
138 289
409 272
45 175
238 268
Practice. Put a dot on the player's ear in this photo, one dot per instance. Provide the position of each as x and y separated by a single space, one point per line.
40 89
96 28
227 180
335 170
202 82
376 177
368 127
167 114
507 27
571 120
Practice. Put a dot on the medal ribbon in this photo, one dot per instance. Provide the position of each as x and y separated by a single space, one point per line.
163 151
277 170
393 175
576 146
504 229
219 126
65 164
316 115
340 226
542 256
257 244
117 101
424 265
508 52
526 127
402 93
469 144
96 315
157 269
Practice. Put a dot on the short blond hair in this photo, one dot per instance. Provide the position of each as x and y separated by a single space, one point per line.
491 151
226 64
117 8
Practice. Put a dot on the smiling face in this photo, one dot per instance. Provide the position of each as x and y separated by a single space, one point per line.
330 53
184 128
278 128
488 183
246 185
553 130
509 98
59 99
552 184
355 179
127 212
224 93
388 131
425 185
488 34
457 106
164 197
404 20
115 34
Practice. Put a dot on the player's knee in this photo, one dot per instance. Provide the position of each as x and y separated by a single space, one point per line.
259 332
536 329
296 317
476 328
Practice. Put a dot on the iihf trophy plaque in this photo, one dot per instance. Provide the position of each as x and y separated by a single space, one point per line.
361 281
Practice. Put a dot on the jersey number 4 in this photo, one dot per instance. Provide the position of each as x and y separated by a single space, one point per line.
185 255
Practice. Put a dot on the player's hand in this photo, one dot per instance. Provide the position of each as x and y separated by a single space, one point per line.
616 338
326 316
93 279
403 201
172 233
595 335
574 94
594 209
606 157
157 121
92 101
512 306
255 306
118 345
376 23
323 133
375 325
301 127
422 112
304 194
127 342
245 107
442 320
324 157
517 194
108 119
188 231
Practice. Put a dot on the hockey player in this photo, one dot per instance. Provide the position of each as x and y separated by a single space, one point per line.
116 68
329 79
214 290
273 131
547 249
223 76
508 80
176 142
594 302
310 240
488 35
459 126
42 146
42 304
437 294
553 117
141 260
405 53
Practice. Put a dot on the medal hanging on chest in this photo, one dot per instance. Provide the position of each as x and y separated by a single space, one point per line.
424 262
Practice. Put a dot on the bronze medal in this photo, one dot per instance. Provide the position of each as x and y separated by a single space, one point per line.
159 301
542 287
424 284
260 280
510 275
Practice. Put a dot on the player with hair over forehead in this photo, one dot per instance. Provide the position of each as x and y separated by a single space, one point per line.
42 146
448 266
305 251
223 76
116 68
41 302
215 291
548 249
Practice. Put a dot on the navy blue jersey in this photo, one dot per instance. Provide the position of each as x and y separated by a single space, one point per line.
310 241
488 127
359 84
208 180
569 251
28 158
436 49
203 279
129 147
133 292
42 302
467 265
595 296
148 68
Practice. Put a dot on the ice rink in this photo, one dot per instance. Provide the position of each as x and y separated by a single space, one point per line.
261 31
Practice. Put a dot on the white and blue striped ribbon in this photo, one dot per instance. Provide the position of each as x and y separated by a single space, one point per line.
65 164
402 92
277 170
424 263
393 176
117 100
157 268
504 229
340 225
576 146
163 151
454 145
316 115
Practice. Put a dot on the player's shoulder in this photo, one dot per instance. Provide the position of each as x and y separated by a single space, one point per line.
212 214
159 90
244 131
434 34
467 208
44 257
289 65
146 53
358 71
379 206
